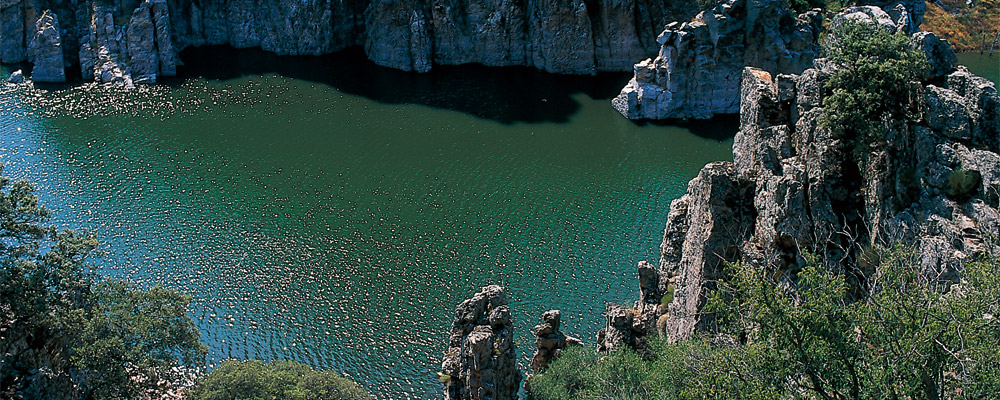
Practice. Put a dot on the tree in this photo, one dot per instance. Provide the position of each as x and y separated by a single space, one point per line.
877 80
66 332
283 380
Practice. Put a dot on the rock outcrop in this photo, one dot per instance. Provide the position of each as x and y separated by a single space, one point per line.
795 186
16 77
631 326
139 40
549 341
45 50
480 362
697 71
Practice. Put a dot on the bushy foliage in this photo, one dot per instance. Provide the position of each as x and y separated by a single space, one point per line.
877 82
801 337
284 380
100 337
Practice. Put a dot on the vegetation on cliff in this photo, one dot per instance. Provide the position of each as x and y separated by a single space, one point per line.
910 338
876 84
968 25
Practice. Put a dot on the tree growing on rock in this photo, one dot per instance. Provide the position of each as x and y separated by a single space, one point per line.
877 80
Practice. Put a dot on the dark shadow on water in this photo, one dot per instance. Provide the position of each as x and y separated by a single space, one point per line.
504 94
721 127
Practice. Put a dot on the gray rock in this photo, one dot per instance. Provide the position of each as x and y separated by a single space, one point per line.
618 330
115 43
45 51
940 55
697 71
16 77
549 341
480 362
12 24
796 186
144 63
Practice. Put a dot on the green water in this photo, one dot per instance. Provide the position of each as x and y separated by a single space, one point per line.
333 212
982 64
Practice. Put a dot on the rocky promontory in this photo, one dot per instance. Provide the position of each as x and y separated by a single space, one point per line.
697 71
480 362
139 40
797 187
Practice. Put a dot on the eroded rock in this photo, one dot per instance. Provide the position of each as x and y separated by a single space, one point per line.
697 71
796 186
45 50
549 341
480 362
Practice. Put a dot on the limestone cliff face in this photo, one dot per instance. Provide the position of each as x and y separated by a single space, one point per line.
795 186
138 40
697 71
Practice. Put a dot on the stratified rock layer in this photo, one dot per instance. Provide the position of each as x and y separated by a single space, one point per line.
795 186
697 71
480 363
138 40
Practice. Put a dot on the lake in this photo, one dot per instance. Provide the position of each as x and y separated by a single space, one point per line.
329 211
333 212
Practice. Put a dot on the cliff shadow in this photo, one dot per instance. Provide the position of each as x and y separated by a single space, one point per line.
720 127
503 94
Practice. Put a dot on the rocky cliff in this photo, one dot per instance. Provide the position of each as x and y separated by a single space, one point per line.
700 62
697 71
797 187
480 363
138 40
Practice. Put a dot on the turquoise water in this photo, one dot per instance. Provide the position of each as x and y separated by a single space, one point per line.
982 64
333 212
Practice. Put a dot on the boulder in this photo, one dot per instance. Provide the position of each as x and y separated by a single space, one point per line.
16 77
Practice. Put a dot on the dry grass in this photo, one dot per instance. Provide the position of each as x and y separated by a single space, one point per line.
965 26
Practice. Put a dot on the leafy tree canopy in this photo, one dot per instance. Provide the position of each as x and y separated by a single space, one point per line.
283 380
66 332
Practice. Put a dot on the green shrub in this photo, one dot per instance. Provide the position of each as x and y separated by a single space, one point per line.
963 183
282 380
100 338
878 81
910 338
